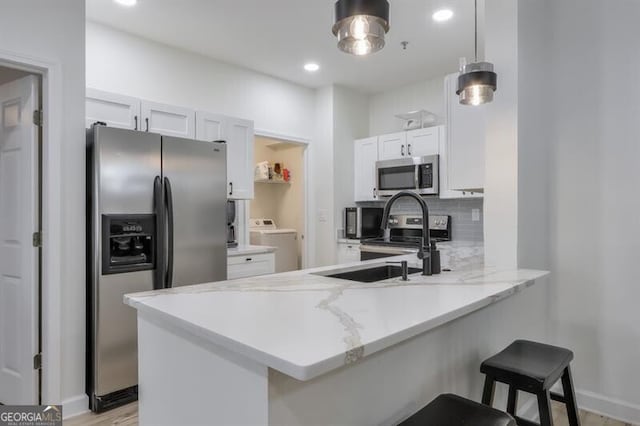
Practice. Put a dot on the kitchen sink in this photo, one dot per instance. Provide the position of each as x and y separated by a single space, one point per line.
368 275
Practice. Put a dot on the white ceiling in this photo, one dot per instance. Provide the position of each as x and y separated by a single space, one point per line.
277 37
10 74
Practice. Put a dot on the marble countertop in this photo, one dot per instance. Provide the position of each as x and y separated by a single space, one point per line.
243 250
305 325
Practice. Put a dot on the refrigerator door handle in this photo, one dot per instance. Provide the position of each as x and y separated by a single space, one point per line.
169 212
158 209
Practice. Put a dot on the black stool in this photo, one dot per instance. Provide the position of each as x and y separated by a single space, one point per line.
532 367
452 410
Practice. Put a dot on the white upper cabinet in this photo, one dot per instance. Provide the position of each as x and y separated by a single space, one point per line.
239 135
115 110
131 113
210 127
421 142
413 143
365 157
465 141
392 146
168 120
240 141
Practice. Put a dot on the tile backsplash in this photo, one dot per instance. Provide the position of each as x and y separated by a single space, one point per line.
463 228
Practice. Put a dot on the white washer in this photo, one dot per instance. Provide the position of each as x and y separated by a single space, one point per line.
264 232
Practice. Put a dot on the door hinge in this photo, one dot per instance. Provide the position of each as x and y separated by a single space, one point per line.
37 239
37 361
37 117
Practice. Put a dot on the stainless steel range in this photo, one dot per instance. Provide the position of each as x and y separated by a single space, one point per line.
405 235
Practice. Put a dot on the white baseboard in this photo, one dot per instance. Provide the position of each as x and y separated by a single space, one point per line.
75 405
609 407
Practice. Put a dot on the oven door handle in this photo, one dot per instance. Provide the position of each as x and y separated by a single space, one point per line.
387 249
416 177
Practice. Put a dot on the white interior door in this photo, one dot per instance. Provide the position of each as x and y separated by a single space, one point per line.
18 257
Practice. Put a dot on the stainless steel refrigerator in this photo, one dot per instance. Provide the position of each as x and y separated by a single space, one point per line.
156 218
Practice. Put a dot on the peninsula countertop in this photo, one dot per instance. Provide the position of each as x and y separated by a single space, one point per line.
305 325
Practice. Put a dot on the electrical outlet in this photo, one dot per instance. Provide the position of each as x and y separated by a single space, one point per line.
475 215
322 215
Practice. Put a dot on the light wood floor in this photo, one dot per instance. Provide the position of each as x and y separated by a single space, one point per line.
128 416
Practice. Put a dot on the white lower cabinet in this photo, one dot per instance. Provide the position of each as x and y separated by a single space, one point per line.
250 265
348 252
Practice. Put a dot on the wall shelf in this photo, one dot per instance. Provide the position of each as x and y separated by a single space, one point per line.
272 181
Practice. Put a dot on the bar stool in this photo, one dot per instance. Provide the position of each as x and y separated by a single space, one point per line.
452 410
532 367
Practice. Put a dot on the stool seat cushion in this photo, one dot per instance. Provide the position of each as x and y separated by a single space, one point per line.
528 365
452 410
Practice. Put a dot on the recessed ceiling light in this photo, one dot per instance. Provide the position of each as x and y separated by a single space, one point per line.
442 15
311 67
127 2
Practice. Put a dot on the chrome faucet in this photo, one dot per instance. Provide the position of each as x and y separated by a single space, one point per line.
426 249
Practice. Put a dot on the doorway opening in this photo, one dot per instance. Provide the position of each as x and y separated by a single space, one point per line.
279 200
20 236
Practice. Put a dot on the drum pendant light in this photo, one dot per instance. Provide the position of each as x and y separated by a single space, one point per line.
360 25
477 81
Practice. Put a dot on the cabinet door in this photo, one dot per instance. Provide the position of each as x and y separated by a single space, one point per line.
250 266
239 136
445 191
466 130
210 127
348 253
392 146
365 156
168 120
115 110
421 142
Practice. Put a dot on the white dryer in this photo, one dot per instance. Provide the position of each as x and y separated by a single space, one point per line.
264 232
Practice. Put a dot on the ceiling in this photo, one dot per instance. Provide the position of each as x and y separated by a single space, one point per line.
277 37
10 74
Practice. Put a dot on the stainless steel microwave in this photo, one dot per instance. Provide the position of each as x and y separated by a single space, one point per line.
418 174
362 222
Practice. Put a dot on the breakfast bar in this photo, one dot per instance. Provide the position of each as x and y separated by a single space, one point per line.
305 348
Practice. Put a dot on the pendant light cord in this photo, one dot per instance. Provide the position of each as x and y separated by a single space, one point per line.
476 29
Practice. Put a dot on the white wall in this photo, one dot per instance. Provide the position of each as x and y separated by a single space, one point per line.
123 63
321 206
54 32
501 149
383 106
350 122
533 136
595 223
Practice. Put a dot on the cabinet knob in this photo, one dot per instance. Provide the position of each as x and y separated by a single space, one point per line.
408 149
146 120
402 150
248 259
135 119
230 188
